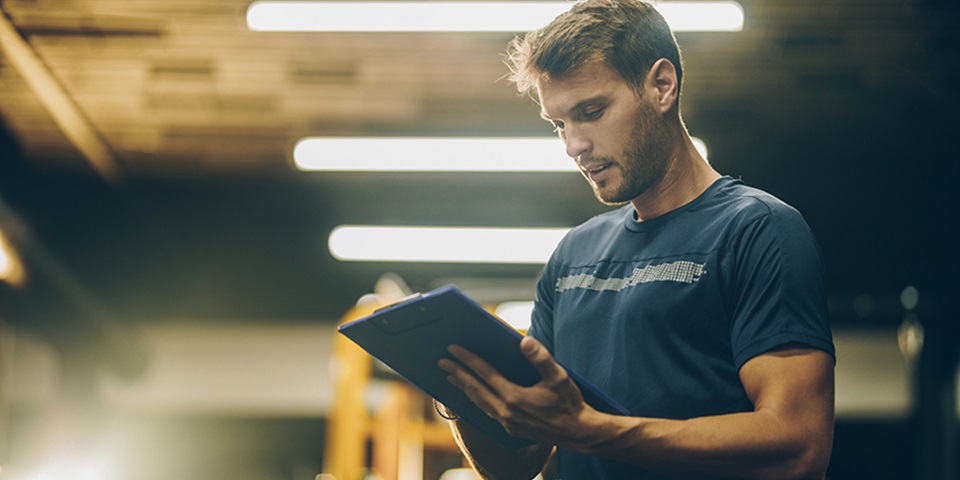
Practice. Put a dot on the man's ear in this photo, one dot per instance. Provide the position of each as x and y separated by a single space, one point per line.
662 81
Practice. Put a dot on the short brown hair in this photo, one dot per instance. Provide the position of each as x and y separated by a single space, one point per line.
629 35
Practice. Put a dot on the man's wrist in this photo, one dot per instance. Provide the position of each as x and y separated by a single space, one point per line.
600 432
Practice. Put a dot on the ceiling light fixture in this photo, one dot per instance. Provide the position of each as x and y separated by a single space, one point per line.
367 243
436 154
432 154
466 16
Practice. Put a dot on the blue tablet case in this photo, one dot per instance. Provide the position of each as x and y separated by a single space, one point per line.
412 335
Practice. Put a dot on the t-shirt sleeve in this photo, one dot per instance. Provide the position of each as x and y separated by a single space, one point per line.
541 321
779 287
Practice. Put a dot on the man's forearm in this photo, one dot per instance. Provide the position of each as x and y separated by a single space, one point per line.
743 445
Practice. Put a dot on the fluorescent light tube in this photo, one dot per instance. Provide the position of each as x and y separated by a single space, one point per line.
721 16
432 154
467 16
361 243
437 154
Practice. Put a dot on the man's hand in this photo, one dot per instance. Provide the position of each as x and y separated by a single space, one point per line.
551 411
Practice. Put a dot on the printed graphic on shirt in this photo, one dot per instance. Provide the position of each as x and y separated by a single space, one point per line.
683 271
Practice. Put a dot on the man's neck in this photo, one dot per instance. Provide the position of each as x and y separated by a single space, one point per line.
687 176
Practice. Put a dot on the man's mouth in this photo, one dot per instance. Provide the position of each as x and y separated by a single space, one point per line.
596 168
595 171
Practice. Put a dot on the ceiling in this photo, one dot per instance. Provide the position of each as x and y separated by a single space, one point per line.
189 208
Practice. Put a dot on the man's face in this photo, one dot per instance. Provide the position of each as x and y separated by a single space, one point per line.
616 136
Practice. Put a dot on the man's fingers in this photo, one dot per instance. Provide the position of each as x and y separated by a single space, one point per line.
532 350
469 359
480 367
521 410
459 376
474 388
540 358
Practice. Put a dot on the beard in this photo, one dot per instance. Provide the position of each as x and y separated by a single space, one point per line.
643 162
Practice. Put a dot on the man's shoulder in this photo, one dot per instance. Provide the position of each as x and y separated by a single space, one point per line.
742 209
736 200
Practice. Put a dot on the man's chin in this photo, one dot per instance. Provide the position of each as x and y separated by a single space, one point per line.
609 198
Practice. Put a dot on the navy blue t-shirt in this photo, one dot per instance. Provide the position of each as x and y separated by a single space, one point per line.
661 314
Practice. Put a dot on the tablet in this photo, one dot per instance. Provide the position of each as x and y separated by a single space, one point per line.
413 335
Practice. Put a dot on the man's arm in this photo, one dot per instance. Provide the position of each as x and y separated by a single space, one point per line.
788 435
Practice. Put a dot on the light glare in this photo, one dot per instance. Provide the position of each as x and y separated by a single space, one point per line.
6 264
700 146
462 16
517 314
443 244
406 154
909 297
11 268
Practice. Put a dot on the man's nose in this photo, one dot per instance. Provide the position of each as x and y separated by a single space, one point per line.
577 143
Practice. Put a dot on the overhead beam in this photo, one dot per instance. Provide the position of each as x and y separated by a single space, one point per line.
58 103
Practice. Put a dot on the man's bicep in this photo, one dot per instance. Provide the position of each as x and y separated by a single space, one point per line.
795 384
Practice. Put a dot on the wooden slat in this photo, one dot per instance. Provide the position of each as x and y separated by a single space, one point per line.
57 101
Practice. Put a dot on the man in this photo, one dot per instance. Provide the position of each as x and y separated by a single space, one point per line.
699 305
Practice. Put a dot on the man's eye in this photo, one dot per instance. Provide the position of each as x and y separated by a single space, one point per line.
592 114
558 127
